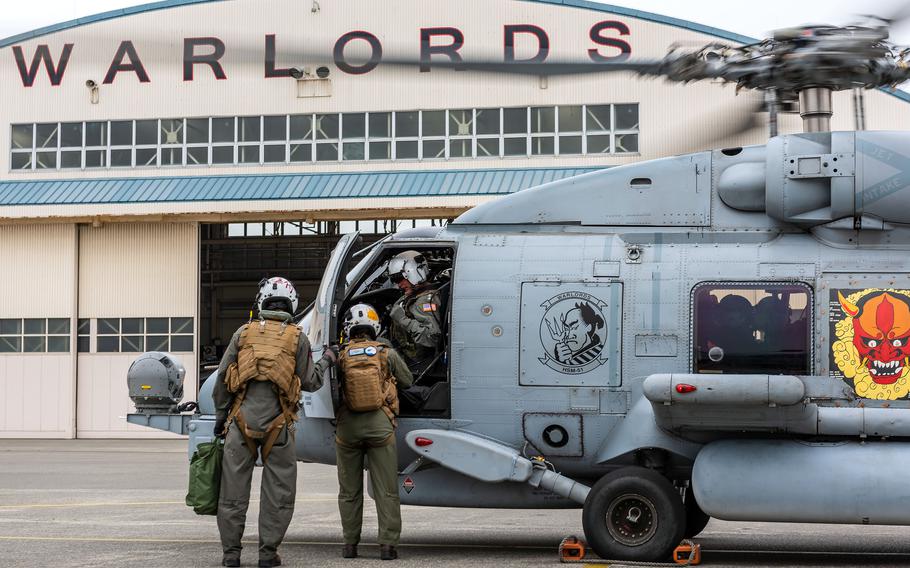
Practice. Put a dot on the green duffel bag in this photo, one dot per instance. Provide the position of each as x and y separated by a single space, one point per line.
205 477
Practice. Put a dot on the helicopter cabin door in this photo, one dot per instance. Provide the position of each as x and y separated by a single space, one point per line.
323 324
570 333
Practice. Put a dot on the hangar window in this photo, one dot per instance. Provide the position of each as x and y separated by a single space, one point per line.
135 335
35 335
331 137
752 328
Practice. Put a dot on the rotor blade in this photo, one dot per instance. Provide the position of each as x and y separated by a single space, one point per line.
742 122
254 53
539 68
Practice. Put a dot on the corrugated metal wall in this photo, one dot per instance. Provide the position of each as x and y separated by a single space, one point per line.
37 389
136 271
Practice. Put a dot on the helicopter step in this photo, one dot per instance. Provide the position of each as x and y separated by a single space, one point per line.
490 461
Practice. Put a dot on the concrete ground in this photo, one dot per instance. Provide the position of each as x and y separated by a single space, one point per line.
120 503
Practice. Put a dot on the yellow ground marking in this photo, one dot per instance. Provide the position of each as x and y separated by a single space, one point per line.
137 504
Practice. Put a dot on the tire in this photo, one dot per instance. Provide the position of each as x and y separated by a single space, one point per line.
660 516
696 519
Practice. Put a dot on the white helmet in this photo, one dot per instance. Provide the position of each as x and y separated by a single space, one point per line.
277 288
358 315
410 265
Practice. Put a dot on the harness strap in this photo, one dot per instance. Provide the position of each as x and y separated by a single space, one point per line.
246 433
286 418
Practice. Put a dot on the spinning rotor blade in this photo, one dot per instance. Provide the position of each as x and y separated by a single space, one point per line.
744 120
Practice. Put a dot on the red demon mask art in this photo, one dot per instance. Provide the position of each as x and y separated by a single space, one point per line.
881 333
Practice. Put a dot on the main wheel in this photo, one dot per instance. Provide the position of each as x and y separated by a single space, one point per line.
696 519
634 514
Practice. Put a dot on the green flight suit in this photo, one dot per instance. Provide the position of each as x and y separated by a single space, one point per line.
370 434
417 326
278 491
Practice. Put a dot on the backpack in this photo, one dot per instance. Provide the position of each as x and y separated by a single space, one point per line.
367 383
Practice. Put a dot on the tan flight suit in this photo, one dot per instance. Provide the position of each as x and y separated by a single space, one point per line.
370 435
261 406
417 327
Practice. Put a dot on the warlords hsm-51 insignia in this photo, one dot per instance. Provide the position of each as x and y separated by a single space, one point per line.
573 333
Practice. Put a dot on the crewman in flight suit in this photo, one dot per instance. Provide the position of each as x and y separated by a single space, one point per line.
416 317
256 402
370 373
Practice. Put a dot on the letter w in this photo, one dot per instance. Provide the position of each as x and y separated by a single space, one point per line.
43 53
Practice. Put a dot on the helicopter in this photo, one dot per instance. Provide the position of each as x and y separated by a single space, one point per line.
720 334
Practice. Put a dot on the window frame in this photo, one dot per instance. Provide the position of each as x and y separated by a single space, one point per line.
810 315
475 141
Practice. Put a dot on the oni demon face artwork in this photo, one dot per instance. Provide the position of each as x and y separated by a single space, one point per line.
871 345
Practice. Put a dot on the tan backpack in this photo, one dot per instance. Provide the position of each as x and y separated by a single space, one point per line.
367 382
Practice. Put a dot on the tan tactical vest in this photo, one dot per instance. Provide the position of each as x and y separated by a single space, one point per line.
267 351
367 382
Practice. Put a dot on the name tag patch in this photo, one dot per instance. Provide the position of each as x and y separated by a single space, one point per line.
357 351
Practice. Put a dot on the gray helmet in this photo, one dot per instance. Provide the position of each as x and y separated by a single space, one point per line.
409 265
277 288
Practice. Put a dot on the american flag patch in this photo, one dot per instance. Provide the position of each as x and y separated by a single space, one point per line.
428 308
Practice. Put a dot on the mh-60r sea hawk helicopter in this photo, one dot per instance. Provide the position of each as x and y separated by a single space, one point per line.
723 334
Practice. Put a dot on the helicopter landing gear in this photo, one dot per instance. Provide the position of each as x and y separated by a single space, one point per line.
634 514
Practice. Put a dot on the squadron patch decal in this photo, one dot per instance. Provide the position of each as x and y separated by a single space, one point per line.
870 332
573 333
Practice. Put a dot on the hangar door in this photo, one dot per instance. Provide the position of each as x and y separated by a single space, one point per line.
136 293
37 309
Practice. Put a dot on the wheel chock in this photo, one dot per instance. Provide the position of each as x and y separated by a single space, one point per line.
687 553
571 549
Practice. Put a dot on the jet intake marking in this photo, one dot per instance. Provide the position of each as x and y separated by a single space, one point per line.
573 333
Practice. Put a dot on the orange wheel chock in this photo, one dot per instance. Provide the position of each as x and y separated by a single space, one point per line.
571 549
688 553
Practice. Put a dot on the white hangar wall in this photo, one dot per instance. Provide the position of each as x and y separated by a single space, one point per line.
673 118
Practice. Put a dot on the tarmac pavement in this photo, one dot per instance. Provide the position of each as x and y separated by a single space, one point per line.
109 503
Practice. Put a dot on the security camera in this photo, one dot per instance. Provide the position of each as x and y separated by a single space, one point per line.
297 73
91 84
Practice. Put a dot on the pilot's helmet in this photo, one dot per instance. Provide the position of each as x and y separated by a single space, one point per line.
361 317
409 265
277 293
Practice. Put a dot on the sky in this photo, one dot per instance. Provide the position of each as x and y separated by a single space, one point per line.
751 19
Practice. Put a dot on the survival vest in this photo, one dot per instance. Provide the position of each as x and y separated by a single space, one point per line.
267 351
367 382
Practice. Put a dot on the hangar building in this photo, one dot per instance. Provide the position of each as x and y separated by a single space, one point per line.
142 199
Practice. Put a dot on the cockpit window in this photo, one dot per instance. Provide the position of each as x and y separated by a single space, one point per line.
752 328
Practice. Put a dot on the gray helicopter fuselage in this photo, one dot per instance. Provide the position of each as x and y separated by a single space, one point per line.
571 321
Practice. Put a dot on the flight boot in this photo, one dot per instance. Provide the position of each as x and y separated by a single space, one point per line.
350 551
270 562
388 552
230 560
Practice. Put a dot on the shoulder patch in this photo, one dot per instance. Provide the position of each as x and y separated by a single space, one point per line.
370 351
428 307
355 352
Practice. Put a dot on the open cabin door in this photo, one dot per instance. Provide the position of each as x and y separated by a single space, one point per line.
323 323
